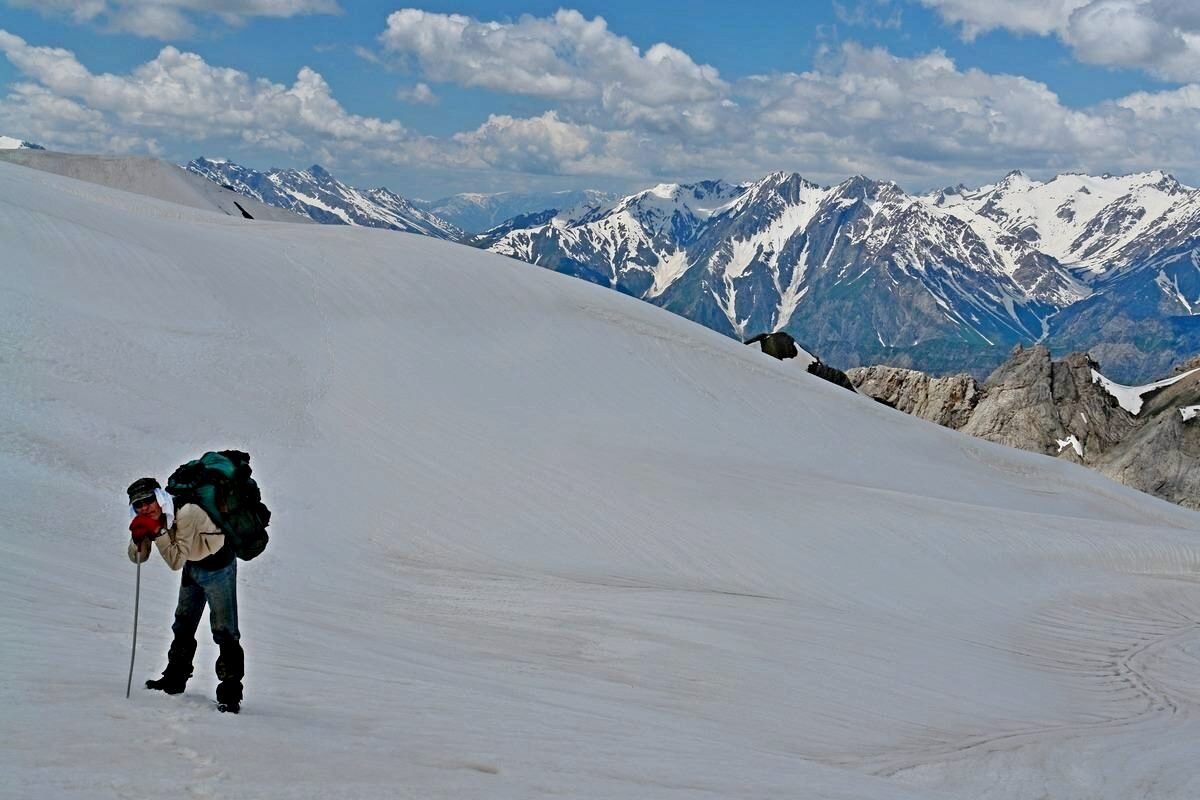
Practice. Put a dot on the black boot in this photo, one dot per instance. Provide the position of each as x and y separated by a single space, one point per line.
170 682
179 667
230 668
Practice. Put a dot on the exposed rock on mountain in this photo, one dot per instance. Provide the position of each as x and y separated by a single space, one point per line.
781 345
777 345
947 401
1140 436
1163 455
831 374
532 220
1052 407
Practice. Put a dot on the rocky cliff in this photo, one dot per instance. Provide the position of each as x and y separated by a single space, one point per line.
947 401
1145 437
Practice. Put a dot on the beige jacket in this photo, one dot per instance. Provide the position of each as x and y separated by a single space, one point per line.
193 537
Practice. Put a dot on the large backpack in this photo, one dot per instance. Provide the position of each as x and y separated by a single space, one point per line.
220 483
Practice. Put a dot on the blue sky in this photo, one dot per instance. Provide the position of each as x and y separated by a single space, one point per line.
444 97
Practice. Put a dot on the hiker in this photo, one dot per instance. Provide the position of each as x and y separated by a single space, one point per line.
188 539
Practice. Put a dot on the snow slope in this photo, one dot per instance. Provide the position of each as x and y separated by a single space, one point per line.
149 176
316 194
576 546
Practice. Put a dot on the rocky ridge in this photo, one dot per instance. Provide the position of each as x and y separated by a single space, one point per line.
1065 409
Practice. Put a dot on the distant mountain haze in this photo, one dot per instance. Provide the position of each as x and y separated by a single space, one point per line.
477 213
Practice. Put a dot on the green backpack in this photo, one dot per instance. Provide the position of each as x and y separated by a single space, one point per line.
220 483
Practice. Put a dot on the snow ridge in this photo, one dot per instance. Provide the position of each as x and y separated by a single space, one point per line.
317 194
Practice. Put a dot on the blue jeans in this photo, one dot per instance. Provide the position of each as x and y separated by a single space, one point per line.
217 589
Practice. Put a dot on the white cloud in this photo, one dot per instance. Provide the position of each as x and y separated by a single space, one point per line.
566 57
544 144
44 117
922 121
922 109
877 14
1022 16
1161 105
1159 36
172 19
1150 36
180 93
420 93
368 55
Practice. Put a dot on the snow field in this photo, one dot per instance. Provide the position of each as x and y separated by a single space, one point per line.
532 537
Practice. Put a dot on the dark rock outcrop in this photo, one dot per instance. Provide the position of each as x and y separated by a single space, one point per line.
780 344
831 374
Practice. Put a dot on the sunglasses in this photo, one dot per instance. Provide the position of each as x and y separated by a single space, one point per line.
143 502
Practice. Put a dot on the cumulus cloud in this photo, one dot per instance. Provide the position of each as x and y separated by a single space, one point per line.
42 116
1022 16
566 57
919 120
1159 36
181 94
546 145
172 19
922 120
923 108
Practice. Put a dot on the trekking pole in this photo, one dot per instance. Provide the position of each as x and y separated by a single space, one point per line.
137 594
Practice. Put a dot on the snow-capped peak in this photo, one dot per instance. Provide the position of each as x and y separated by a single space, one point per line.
9 143
664 190
1078 219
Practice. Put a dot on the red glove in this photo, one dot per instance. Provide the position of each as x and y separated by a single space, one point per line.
143 527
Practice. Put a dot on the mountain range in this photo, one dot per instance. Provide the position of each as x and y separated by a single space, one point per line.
862 272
